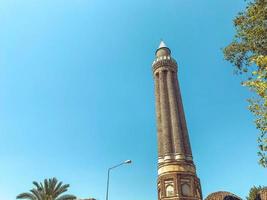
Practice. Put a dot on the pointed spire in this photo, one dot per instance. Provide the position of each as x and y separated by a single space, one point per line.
162 45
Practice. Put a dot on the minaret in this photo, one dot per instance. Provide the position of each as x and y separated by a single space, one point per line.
177 179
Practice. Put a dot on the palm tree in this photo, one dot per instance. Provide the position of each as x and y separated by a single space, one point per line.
50 189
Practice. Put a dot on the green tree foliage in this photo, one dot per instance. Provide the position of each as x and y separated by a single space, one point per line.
248 53
254 193
50 189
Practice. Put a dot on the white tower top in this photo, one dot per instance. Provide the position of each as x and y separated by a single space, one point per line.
162 44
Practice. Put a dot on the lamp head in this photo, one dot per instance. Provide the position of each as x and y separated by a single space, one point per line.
127 161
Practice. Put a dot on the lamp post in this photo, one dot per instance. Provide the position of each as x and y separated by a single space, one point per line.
125 162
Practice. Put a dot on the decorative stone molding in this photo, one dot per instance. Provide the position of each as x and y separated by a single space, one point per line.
165 63
176 168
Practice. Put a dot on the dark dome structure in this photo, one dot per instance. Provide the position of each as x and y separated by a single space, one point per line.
222 195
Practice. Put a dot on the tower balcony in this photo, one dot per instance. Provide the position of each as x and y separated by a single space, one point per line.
164 63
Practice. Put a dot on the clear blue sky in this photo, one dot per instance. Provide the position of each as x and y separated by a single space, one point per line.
77 95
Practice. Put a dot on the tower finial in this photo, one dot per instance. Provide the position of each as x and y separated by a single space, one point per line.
162 44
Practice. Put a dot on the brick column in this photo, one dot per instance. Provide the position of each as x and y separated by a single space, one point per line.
165 116
176 128
158 114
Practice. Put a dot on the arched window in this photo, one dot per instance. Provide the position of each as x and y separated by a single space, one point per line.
169 190
169 187
186 190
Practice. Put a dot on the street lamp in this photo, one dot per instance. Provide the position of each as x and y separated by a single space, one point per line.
125 162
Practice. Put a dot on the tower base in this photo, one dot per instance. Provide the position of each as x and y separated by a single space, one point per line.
178 185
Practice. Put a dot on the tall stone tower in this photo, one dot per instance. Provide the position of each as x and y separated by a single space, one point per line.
177 179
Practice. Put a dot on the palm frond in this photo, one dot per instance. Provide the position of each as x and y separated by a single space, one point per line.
38 194
53 184
37 185
62 189
58 186
46 186
26 196
42 186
